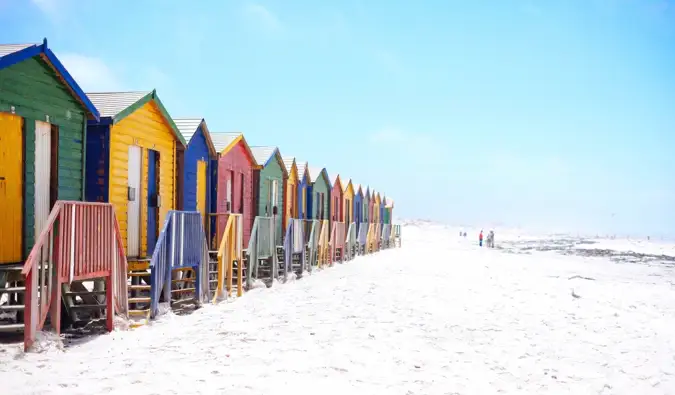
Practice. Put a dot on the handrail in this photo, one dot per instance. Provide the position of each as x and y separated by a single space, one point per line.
257 243
230 249
312 242
337 241
324 245
293 244
86 245
350 241
180 244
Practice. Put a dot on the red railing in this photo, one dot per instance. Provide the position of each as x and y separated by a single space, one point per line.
80 241
337 241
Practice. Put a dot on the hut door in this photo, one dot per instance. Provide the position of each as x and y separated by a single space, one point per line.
153 199
43 174
134 202
11 188
201 189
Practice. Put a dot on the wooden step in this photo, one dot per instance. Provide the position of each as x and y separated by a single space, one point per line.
8 328
84 293
188 280
139 313
138 274
139 287
183 290
88 306
138 265
12 290
139 300
16 307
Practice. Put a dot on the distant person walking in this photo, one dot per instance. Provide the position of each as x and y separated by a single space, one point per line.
491 239
480 238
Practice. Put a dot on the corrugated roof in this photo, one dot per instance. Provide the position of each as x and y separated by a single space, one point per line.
262 154
345 184
222 140
6 49
110 104
314 173
187 126
333 178
301 168
288 162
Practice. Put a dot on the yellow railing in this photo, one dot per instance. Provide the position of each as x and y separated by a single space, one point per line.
324 244
230 250
371 238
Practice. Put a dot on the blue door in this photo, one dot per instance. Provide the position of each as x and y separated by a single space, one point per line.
153 199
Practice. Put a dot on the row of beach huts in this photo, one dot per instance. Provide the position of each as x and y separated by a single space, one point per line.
109 206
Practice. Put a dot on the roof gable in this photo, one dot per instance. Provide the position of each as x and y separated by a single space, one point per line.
265 154
291 167
303 171
188 128
12 54
115 106
224 142
358 190
335 181
349 187
315 174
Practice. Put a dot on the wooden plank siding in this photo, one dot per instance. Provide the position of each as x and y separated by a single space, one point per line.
32 90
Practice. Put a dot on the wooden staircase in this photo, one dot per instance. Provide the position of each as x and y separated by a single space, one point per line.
138 277
12 299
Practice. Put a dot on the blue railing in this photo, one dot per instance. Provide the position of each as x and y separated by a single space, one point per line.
350 244
363 233
294 243
181 244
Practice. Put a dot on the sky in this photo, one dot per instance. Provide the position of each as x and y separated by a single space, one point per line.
556 115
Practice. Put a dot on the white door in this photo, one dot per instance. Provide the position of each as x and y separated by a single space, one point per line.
43 155
134 202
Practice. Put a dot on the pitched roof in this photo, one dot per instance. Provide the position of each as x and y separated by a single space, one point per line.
333 178
264 154
347 184
288 162
115 106
111 104
188 127
224 142
6 49
357 189
11 54
314 173
302 167
390 203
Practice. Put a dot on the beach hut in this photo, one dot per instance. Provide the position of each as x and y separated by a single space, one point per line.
290 191
336 195
43 113
366 204
371 207
358 204
303 186
348 199
318 194
235 191
389 211
377 202
200 160
270 178
134 158
383 204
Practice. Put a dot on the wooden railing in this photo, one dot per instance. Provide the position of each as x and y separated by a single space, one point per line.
337 242
79 241
294 243
230 250
396 235
260 244
386 235
370 239
312 230
351 245
181 244
323 247
219 220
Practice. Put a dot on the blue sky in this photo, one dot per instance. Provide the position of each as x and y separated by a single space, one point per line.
547 114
